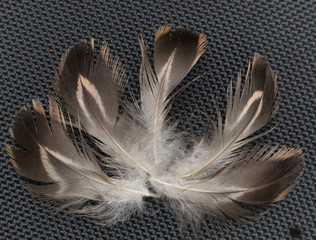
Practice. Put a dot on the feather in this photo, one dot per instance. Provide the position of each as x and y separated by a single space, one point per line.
69 175
143 154
247 112
174 55
91 93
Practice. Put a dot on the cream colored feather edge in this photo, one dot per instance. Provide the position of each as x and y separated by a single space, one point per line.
144 156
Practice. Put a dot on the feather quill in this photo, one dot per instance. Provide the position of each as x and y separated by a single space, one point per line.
144 155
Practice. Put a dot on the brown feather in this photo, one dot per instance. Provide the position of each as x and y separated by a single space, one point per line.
141 147
72 176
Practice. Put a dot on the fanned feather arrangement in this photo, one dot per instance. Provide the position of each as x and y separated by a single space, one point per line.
140 152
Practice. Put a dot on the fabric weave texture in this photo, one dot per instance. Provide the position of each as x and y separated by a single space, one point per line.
35 34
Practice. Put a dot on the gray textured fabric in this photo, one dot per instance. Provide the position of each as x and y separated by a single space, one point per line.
35 34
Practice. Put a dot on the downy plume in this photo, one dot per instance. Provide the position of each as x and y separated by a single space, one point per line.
138 152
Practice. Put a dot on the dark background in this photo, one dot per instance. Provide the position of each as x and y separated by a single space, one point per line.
35 34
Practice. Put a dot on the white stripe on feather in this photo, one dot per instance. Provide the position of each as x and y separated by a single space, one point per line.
256 96
82 81
165 70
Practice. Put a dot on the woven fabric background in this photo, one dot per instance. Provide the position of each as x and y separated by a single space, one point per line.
35 34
